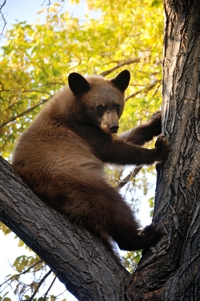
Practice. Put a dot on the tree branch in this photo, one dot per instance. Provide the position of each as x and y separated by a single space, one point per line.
4 20
23 113
121 64
52 283
39 284
79 259
130 176
145 89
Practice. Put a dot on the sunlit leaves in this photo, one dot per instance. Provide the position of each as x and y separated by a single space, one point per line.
23 262
4 298
36 59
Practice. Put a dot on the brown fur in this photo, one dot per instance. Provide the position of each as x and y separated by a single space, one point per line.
61 157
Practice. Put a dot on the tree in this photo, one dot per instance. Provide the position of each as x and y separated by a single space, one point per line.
168 271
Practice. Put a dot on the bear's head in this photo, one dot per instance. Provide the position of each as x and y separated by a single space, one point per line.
99 102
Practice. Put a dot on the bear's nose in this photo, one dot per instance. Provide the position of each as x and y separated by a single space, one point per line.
113 128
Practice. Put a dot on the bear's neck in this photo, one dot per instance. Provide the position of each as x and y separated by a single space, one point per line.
94 136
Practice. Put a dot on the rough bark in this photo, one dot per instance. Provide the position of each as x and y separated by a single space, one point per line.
172 272
169 271
79 259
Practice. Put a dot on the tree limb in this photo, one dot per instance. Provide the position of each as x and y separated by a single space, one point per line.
23 113
87 269
130 176
4 20
145 89
121 64
39 284
52 283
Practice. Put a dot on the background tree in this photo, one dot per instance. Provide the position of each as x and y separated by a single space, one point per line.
169 271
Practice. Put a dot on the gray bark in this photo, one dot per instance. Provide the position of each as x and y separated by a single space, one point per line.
169 271
79 259
172 272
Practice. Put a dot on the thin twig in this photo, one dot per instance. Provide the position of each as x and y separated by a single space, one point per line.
39 284
4 20
3 4
52 283
27 270
128 62
43 3
22 98
130 176
145 89
12 278
23 113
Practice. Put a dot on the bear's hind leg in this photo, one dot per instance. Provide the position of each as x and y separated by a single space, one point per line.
130 242
100 209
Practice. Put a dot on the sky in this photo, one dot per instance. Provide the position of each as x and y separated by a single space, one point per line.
23 10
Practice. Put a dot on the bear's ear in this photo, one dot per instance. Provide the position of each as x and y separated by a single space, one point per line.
78 84
121 81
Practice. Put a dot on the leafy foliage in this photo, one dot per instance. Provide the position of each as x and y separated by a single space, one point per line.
35 62
36 59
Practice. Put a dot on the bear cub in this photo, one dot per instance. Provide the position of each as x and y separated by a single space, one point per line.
61 157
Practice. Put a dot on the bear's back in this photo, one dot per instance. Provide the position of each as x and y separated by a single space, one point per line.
49 147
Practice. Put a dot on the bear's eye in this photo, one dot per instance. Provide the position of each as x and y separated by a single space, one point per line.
118 107
100 108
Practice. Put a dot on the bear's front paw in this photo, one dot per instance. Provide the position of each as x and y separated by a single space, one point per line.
153 233
163 146
156 116
155 123
152 228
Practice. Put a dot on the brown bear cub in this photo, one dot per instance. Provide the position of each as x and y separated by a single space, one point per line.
61 157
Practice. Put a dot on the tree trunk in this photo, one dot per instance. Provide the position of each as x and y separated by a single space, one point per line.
172 271
169 271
